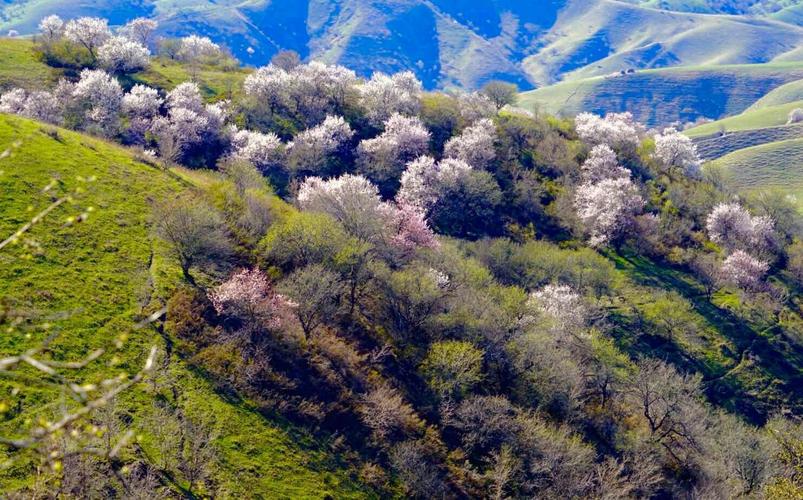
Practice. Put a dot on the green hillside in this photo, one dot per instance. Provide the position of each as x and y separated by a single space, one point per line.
664 96
774 165
20 67
92 281
786 93
752 118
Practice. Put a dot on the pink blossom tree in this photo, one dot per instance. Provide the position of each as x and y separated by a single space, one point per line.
731 226
743 270
247 295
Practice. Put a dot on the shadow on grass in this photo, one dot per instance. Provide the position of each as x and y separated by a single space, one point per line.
764 348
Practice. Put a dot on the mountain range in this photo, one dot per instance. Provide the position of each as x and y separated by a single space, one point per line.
464 43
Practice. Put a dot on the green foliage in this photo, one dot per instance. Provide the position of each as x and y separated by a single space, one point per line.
452 368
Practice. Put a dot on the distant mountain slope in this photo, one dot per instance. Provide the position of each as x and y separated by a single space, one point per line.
661 97
464 43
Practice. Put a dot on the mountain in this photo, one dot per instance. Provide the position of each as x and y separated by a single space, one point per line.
466 43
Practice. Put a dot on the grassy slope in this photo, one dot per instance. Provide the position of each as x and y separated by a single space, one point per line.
789 92
19 67
777 164
101 274
752 118
667 95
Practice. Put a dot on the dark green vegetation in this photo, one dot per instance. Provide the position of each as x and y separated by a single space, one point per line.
448 43
91 282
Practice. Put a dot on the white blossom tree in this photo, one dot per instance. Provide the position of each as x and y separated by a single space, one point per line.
732 226
89 32
51 28
607 208
383 95
563 305
475 145
122 55
602 164
618 130
194 48
140 30
311 150
675 150
142 104
264 151
186 95
39 105
383 158
743 270
425 180
101 96
475 106
13 101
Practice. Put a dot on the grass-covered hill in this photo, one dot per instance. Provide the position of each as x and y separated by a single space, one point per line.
91 282
660 97
464 43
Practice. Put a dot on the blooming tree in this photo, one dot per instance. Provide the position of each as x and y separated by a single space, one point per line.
89 32
731 226
425 180
39 105
311 149
122 55
384 95
194 48
602 164
676 150
140 30
564 305
101 95
383 158
410 230
475 145
261 150
13 101
618 130
607 208
186 95
51 28
247 294
743 270
475 106
141 105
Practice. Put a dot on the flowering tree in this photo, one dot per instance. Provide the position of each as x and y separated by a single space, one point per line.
186 95
140 30
264 151
122 55
39 105
311 150
194 48
618 130
310 91
475 145
731 226
564 305
89 32
51 28
607 208
384 95
247 294
383 157
355 202
743 270
141 105
475 106
424 181
676 150
602 164
101 96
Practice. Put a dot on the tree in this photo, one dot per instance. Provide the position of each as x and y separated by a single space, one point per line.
383 96
101 96
264 151
617 130
475 106
286 59
386 413
195 48
192 229
186 95
304 238
607 208
247 294
89 32
140 30
452 368
122 55
475 145
313 149
51 28
382 159
676 150
731 226
564 305
743 270
315 292
501 93
602 164
38 105
795 116
421 476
